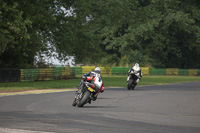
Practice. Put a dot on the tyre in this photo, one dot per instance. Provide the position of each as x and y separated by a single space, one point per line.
84 99
130 82
74 103
133 86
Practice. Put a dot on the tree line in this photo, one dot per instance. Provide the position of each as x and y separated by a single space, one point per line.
153 33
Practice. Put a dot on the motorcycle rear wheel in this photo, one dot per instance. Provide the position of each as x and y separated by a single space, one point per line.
84 99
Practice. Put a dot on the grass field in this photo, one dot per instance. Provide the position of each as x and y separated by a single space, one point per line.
109 81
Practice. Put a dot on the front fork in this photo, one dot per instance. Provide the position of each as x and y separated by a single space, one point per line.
81 89
78 94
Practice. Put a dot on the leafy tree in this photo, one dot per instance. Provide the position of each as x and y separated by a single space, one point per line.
31 28
13 33
176 33
161 33
164 33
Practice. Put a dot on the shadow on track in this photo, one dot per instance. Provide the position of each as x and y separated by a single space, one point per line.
99 106
187 86
105 98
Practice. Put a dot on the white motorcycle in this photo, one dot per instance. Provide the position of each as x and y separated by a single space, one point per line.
131 83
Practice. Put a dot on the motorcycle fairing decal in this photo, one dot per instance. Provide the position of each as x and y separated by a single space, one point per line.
89 78
92 86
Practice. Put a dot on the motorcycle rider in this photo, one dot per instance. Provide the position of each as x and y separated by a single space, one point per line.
94 77
135 69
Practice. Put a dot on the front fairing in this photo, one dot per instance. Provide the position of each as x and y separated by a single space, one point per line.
134 77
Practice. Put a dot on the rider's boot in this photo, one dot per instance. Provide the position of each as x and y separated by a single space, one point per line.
94 97
89 101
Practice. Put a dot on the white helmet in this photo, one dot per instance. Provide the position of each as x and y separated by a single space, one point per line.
97 69
136 67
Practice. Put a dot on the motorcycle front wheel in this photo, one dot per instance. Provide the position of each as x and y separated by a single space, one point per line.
84 99
74 102
129 85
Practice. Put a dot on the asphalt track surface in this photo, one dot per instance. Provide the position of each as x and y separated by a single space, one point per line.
172 108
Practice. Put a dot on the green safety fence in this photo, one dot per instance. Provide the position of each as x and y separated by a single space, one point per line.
29 74
56 73
45 74
145 71
23 75
86 69
77 70
120 70
160 71
106 70
67 73
193 72
172 71
182 71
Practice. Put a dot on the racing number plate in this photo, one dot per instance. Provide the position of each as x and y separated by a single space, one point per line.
90 89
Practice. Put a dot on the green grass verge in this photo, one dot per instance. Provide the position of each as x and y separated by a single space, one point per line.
120 81
109 81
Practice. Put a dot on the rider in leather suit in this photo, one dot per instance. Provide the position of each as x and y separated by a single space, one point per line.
135 68
94 77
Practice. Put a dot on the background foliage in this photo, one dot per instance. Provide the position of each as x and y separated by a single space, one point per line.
105 32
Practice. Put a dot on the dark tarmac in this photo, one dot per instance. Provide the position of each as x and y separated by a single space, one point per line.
172 108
